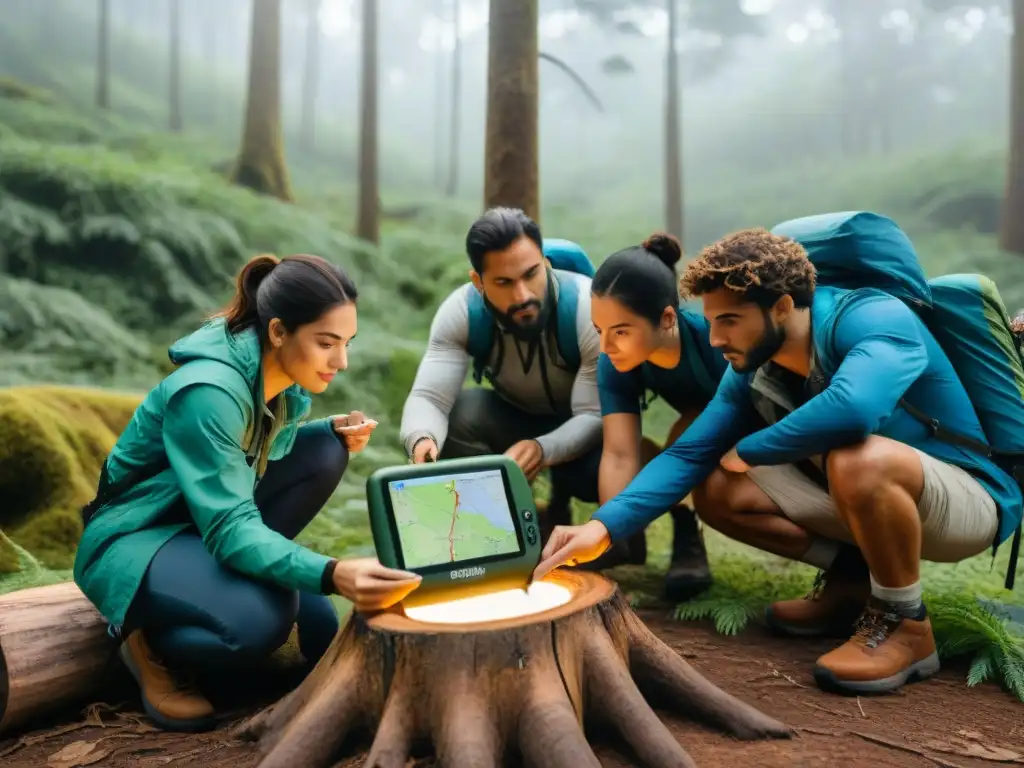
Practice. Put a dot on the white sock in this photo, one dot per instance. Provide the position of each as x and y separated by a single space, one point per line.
905 600
821 553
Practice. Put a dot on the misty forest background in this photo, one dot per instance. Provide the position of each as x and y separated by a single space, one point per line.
149 147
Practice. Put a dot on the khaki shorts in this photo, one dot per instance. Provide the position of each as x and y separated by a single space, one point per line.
958 516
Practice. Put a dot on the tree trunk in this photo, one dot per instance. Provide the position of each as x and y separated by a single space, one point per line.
1012 230
456 114
103 56
480 691
311 77
175 66
261 165
511 176
673 159
439 164
54 652
368 223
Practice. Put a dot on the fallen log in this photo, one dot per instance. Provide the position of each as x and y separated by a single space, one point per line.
54 652
483 691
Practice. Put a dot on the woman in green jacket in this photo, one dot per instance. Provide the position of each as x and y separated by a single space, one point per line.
188 548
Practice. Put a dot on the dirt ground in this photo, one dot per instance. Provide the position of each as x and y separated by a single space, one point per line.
939 722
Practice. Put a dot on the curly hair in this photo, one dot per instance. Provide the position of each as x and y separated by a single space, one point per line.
760 266
1017 325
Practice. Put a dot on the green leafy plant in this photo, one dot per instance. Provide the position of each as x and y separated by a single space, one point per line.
967 628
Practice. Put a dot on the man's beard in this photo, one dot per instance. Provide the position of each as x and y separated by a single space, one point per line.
523 331
768 345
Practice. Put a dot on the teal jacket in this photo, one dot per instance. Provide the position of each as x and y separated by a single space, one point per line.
208 425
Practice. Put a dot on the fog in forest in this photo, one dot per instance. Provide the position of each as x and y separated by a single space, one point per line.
766 85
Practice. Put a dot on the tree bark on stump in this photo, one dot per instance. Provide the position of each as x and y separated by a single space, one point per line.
480 692
54 652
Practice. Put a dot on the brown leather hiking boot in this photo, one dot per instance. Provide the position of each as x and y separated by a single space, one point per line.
688 573
886 651
172 704
830 609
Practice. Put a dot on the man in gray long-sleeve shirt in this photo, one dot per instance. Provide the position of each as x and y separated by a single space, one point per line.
542 410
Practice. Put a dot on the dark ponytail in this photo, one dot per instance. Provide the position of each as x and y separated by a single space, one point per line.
242 312
295 289
642 277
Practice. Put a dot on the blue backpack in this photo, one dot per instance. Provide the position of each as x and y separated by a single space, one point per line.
965 314
564 255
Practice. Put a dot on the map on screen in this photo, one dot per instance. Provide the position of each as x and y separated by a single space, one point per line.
453 518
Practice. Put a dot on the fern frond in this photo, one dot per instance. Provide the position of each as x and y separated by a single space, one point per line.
696 610
732 618
981 669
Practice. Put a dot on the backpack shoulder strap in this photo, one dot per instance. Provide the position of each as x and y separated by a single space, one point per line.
480 334
566 333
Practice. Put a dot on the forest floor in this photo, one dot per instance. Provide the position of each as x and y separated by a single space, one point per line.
939 722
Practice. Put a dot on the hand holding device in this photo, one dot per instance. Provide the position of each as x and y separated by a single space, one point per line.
371 586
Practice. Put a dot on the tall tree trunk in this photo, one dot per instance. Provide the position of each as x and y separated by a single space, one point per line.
175 66
453 143
261 164
368 224
311 77
511 175
103 56
439 73
209 33
1012 230
673 159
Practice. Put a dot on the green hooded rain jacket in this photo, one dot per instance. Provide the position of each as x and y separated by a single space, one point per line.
207 428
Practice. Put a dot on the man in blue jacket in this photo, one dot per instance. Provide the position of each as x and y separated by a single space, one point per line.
835 475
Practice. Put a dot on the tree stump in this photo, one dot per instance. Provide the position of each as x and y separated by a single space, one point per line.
480 692
54 652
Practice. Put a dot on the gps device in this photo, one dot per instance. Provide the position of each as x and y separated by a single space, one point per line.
468 526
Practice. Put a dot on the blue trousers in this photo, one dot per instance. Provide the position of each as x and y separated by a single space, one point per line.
196 612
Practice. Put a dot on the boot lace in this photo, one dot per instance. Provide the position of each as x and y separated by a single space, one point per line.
875 625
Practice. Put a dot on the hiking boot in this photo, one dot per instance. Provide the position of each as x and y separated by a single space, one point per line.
172 703
833 605
886 651
688 573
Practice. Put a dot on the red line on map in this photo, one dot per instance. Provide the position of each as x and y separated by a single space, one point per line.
451 532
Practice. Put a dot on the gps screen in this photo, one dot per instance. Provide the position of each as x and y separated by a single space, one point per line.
453 518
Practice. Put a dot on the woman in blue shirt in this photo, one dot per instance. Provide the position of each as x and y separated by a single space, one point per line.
649 342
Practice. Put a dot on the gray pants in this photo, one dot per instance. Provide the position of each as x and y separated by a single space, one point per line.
482 422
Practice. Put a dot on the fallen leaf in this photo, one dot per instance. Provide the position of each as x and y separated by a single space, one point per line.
77 753
976 749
